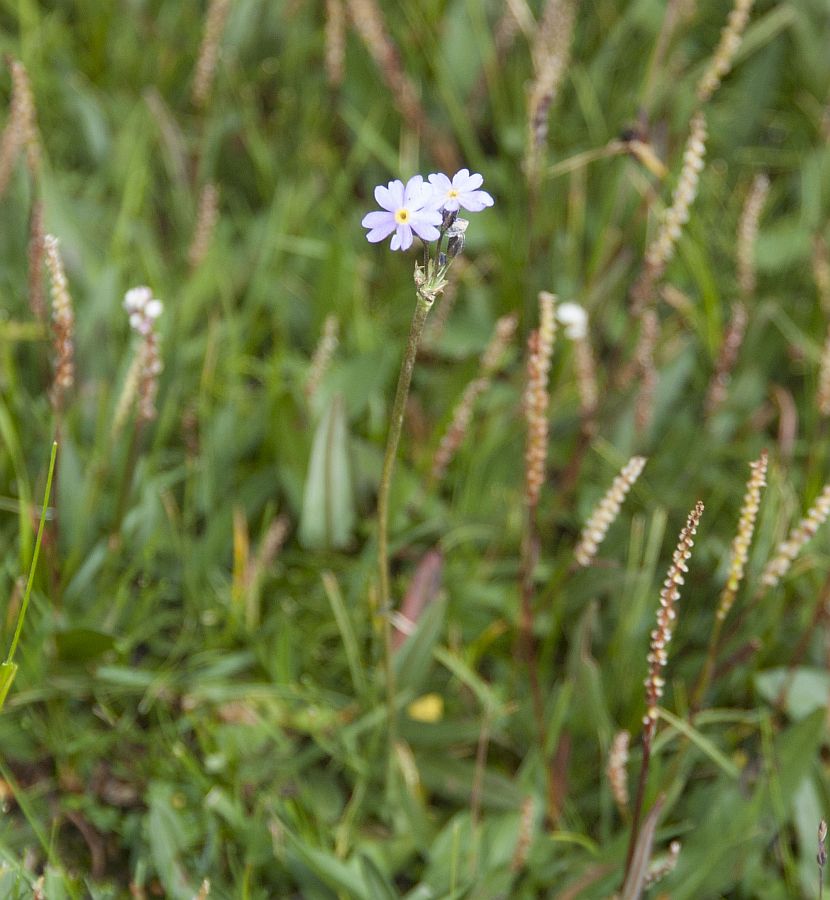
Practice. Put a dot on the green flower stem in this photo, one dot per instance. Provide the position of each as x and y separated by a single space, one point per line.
21 616
422 308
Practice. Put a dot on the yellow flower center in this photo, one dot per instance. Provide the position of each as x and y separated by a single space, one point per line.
452 193
402 216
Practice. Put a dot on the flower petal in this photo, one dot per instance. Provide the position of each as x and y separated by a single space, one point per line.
425 231
377 219
460 177
382 197
440 181
404 236
381 232
418 193
475 201
473 181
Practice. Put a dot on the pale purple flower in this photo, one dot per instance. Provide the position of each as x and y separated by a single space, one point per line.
461 191
406 210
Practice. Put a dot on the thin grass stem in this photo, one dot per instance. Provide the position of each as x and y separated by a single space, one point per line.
33 568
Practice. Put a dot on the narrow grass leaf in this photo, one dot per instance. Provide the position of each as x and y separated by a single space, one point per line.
701 742
378 886
344 624
414 659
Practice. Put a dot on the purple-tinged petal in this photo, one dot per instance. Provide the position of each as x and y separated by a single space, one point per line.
396 191
425 231
429 214
404 235
380 233
440 181
391 196
383 198
377 219
417 193
474 181
476 201
460 177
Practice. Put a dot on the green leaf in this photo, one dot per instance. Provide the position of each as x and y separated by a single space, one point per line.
805 689
795 752
414 658
335 873
378 885
454 778
168 836
328 515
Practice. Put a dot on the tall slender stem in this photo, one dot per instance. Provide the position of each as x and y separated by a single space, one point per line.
648 735
21 616
422 308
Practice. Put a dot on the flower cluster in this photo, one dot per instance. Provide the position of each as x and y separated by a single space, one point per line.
143 309
426 208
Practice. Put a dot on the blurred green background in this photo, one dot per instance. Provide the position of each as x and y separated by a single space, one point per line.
200 693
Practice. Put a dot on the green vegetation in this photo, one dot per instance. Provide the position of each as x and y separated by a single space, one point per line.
202 671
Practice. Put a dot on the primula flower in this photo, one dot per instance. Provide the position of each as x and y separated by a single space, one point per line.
406 210
462 191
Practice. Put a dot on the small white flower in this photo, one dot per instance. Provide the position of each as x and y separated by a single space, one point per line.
574 319
137 298
142 308
154 308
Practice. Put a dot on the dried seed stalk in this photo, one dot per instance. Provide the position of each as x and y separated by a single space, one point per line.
617 770
21 128
789 549
596 528
743 538
217 15
551 54
536 398
658 657
748 234
662 248
206 217
666 615
63 323
335 52
730 40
